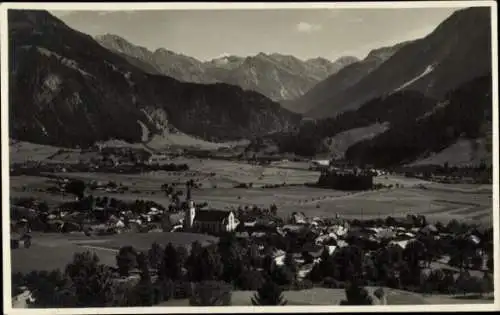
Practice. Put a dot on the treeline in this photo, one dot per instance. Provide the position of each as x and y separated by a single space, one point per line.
35 169
418 125
397 109
466 114
205 275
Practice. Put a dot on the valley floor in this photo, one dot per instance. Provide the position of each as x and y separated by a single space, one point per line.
219 178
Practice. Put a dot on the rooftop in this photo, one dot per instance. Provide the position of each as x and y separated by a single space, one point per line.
211 215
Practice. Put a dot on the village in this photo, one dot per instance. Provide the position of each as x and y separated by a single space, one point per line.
312 249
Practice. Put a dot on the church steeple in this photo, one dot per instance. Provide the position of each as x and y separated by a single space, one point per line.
188 191
190 211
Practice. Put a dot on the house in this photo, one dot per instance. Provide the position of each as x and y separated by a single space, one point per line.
292 228
23 299
214 221
298 218
314 250
279 257
402 243
429 230
304 271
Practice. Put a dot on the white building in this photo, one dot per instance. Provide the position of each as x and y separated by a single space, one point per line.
189 215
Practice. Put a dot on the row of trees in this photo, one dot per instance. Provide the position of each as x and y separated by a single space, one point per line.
395 267
207 275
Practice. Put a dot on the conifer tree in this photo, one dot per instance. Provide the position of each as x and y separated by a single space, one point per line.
144 289
269 294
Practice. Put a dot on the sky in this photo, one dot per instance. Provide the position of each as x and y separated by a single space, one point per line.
303 33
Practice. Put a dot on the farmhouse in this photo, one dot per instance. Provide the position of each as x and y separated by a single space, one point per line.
319 165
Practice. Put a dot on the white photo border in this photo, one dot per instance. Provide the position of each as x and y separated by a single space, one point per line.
8 309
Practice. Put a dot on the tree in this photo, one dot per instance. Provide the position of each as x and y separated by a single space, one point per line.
155 255
91 281
164 289
232 259
211 293
413 254
476 285
369 269
381 295
268 264
282 275
356 295
269 294
206 266
463 282
253 256
454 227
171 267
476 261
144 289
439 226
326 266
126 260
192 261
462 250
76 187
250 280
290 263
489 263
44 287
273 209
43 207
487 283
348 263
308 258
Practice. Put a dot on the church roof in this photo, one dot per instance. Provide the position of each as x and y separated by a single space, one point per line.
211 215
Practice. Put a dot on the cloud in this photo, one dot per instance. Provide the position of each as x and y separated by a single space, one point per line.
305 27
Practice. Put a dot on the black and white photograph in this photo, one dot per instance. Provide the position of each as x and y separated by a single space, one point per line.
282 157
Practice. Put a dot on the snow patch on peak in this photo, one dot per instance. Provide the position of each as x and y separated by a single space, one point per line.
427 70
63 60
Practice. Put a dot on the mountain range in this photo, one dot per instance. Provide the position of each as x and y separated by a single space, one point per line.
66 89
428 94
457 51
279 77
346 77
401 104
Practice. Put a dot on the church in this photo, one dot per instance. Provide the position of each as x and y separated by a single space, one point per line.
207 221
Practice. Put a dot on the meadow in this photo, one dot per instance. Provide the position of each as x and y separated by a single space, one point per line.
438 202
217 180
54 251
324 296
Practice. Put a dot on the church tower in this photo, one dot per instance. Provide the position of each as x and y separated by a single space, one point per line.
190 211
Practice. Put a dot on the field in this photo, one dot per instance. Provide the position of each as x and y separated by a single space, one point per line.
55 251
322 296
218 179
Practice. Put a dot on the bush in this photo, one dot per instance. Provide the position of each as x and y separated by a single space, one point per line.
303 285
182 290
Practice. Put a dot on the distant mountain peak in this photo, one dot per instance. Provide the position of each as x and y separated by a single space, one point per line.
278 76
387 51
86 93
